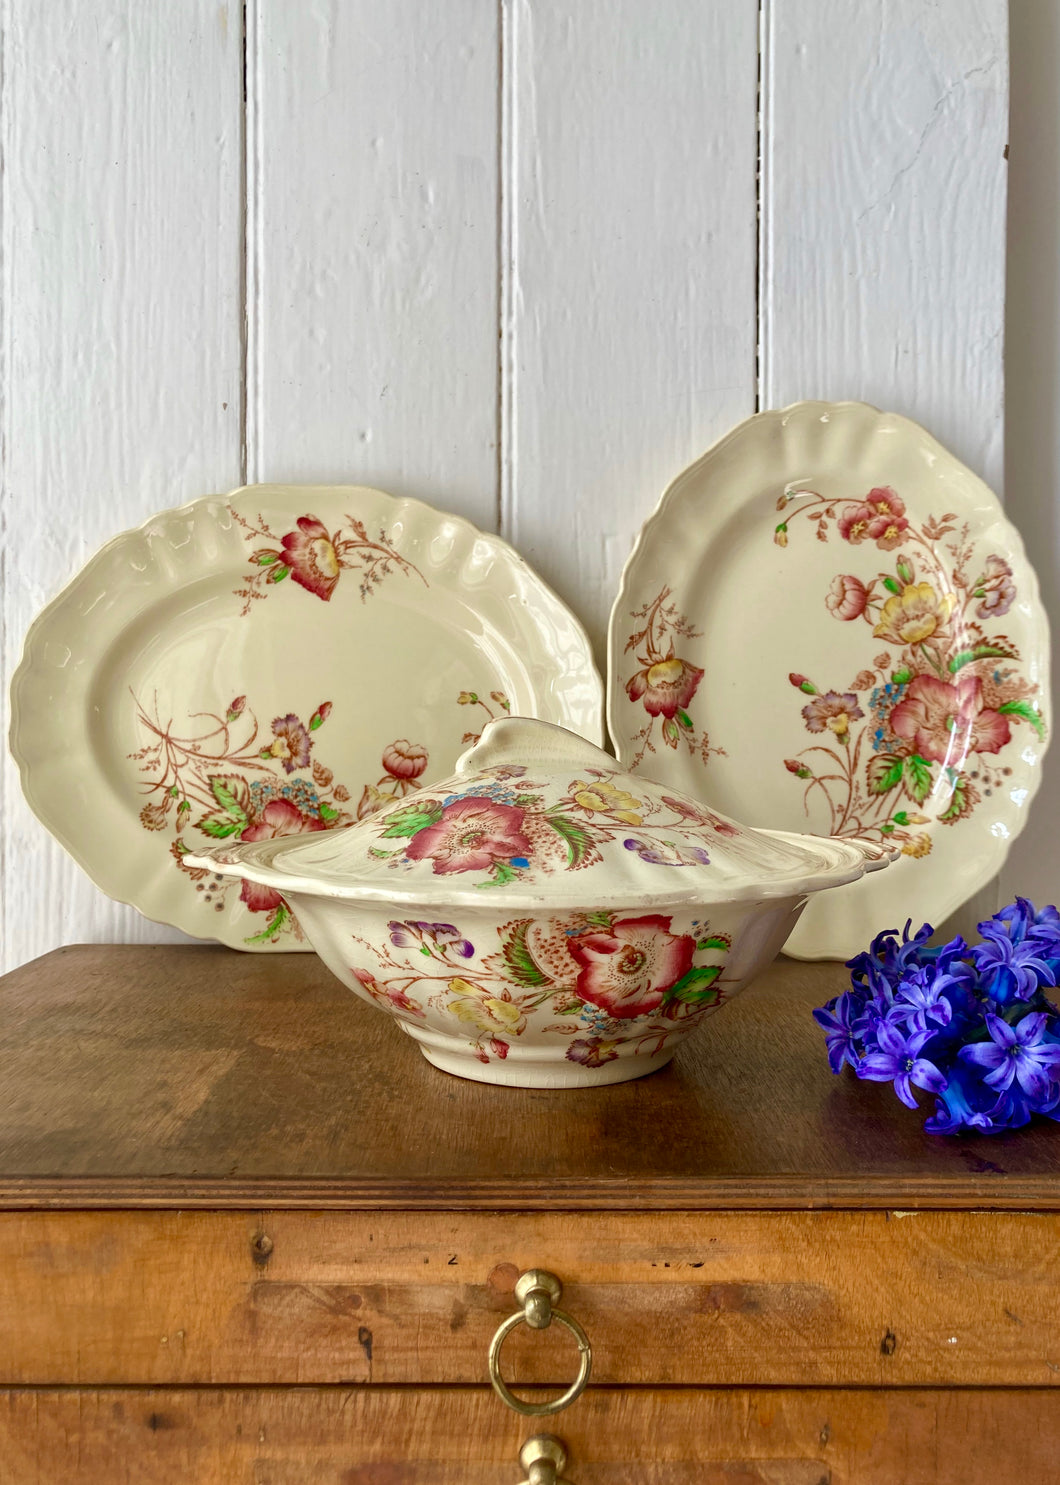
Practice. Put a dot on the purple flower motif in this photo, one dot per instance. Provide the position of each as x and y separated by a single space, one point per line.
899 1059
430 937
689 856
920 999
835 1017
1013 970
1017 1052
954 1108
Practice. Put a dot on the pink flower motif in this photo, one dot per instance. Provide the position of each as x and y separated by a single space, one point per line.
880 516
405 760
383 995
628 969
847 597
834 710
291 744
666 687
855 522
279 817
946 720
310 554
473 834
997 589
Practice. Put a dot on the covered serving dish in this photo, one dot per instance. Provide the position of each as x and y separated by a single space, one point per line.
542 918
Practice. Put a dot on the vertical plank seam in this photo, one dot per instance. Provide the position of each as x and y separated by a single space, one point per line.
507 274
6 300
251 286
763 190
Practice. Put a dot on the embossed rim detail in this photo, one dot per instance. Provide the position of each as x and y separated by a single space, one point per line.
777 451
69 783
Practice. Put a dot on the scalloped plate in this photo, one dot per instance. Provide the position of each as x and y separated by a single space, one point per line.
279 661
829 625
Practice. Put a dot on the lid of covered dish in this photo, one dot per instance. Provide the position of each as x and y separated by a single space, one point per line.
535 815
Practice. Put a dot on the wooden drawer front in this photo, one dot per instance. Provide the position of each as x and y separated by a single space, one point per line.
431 1436
802 1298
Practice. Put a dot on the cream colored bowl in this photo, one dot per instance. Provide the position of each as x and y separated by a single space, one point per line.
542 919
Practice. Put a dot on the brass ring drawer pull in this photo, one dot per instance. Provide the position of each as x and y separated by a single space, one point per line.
542 1457
538 1292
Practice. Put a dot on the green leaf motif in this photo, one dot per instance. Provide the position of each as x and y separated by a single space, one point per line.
1027 712
696 987
981 652
685 720
219 827
232 794
599 919
276 925
267 559
884 772
891 586
721 944
413 818
579 841
960 801
327 813
520 963
918 777
502 875
902 677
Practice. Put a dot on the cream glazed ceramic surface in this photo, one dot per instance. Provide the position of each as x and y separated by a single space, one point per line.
275 663
829 625
541 918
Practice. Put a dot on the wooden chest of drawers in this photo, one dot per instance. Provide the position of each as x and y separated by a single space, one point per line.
248 1235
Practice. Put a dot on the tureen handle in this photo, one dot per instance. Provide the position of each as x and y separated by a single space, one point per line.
876 853
526 740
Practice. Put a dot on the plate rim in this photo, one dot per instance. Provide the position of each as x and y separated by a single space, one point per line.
819 945
38 633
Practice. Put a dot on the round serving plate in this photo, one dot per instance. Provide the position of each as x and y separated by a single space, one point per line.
277 662
829 625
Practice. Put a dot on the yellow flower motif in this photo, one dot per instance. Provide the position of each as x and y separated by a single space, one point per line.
607 799
920 845
476 1007
915 614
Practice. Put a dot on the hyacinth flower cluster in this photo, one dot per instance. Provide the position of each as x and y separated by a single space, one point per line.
969 1023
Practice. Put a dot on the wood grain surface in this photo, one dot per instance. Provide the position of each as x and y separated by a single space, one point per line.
186 1076
784 1298
380 1436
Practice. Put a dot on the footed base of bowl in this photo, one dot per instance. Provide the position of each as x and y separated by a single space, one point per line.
524 1072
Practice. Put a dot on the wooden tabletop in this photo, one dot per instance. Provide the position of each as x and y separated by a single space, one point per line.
199 1076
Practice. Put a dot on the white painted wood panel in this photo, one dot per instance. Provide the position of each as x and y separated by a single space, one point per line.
882 260
883 211
373 247
1032 369
500 254
122 240
629 295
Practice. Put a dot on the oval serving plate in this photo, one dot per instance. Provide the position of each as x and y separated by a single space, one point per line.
280 661
828 624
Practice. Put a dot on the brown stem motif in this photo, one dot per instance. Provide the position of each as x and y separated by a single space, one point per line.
666 682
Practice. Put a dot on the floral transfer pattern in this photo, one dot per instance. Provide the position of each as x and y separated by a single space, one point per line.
315 558
228 777
615 984
501 830
666 682
926 725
